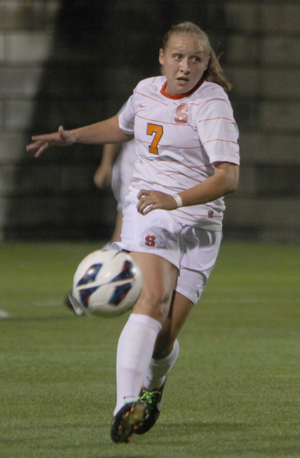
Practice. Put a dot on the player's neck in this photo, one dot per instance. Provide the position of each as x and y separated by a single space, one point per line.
165 93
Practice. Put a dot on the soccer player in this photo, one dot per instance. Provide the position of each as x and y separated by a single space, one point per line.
187 160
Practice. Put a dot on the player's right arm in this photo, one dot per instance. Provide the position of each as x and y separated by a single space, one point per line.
107 131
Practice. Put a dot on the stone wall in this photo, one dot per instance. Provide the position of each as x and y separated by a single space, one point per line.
74 62
264 64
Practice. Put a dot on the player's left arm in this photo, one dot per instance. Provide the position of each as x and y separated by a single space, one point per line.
224 181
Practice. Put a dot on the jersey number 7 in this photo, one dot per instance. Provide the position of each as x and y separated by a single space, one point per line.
158 131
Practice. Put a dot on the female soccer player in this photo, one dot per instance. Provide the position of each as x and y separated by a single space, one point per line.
187 160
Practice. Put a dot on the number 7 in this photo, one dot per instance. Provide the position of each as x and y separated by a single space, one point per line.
158 131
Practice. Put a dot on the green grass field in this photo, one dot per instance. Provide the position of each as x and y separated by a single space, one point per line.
234 391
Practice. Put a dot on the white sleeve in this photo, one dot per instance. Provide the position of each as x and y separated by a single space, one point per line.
218 131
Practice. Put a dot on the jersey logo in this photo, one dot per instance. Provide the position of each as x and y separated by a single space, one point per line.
150 240
158 131
182 114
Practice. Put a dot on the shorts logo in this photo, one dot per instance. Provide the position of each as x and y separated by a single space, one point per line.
150 240
210 214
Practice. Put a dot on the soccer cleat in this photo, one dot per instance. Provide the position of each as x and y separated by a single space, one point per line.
72 304
153 401
124 423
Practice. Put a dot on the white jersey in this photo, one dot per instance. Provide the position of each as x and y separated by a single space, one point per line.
178 138
122 172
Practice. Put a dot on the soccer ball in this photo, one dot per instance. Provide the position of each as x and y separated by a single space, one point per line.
107 283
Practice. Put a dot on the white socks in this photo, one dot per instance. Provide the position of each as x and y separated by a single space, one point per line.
159 368
135 348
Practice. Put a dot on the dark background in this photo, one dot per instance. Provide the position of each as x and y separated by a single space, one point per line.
99 51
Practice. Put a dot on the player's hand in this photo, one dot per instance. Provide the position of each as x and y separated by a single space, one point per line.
102 176
42 142
153 200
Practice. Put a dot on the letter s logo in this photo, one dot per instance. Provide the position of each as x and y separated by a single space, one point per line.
150 240
181 112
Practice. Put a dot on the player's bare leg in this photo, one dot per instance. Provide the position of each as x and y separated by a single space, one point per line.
159 279
137 340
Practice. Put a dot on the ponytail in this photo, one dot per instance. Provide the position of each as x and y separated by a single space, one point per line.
214 72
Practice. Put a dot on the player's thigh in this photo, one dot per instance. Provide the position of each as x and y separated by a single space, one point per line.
159 279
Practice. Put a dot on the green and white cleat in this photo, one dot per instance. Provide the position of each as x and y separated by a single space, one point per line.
153 402
129 417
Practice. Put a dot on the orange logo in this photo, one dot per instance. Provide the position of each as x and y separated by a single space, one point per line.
182 113
150 240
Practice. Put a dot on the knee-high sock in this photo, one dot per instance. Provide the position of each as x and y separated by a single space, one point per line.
159 368
135 348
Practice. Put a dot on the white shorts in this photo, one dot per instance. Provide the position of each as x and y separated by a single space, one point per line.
191 249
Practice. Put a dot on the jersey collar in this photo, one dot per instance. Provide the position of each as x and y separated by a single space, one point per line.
180 96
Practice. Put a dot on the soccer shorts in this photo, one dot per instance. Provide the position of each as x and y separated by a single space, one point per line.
191 249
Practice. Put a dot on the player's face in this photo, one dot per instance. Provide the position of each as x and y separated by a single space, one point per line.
184 61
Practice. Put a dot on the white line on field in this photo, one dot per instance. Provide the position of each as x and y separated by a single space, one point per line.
49 303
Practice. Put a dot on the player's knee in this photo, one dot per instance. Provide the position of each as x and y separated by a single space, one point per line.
154 302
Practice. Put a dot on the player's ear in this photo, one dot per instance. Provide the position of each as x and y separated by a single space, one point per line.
161 56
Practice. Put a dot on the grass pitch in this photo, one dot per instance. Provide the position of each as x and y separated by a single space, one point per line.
234 391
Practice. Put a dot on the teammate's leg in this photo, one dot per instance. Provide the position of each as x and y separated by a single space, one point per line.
116 237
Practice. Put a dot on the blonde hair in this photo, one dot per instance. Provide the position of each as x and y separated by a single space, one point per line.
214 72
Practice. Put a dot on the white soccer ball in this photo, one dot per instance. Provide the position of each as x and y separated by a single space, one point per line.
107 283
